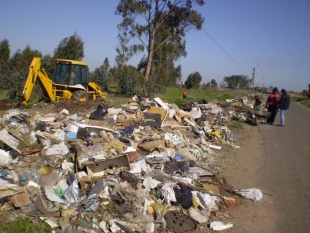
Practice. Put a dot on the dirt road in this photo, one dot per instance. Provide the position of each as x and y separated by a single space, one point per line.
276 160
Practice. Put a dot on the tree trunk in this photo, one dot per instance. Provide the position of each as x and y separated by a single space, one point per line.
150 57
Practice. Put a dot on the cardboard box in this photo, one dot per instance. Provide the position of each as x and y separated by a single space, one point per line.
97 169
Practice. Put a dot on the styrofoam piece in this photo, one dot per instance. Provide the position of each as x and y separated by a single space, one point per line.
219 226
215 147
161 103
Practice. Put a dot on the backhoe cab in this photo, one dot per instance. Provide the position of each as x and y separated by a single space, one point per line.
71 81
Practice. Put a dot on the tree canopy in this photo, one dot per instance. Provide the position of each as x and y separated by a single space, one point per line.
193 80
101 75
18 70
125 51
70 48
237 81
130 81
4 51
213 83
156 22
4 63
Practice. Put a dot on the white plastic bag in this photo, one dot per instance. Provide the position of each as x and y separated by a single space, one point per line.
150 183
59 188
168 192
251 193
4 157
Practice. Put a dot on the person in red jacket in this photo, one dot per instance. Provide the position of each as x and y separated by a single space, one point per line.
272 104
184 94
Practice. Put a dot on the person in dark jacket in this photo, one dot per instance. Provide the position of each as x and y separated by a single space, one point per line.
284 105
272 105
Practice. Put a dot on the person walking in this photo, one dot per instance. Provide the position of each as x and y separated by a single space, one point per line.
272 105
184 94
284 105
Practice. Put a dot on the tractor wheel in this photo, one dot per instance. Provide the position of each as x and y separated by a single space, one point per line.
100 100
80 95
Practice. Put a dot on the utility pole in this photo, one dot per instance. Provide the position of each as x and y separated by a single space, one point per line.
263 81
257 74
253 75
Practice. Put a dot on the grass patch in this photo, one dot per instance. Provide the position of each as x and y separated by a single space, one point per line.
25 226
4 94
302 100
236 125
173 93
118 100
113 87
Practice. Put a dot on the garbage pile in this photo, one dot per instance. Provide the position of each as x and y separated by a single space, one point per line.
143 167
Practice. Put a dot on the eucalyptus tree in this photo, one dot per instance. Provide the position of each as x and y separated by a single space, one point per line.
130 81
19 69
163 67
193 80
4 50
70 48
101 75
237 81
213 83
4 63
124 50
146 19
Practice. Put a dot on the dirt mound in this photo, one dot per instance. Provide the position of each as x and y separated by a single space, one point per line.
6 104
72 106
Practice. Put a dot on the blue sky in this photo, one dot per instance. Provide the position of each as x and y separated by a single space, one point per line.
271 35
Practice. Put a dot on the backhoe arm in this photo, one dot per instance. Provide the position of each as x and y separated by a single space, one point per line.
45 82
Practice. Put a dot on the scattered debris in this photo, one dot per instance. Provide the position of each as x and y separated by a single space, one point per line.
142 167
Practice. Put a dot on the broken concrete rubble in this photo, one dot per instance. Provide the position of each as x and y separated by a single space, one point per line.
141 168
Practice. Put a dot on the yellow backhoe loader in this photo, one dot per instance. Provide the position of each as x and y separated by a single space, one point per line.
71 81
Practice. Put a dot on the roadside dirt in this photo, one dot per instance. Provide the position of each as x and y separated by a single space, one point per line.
241 168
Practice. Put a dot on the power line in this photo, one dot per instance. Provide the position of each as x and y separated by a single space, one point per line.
224 50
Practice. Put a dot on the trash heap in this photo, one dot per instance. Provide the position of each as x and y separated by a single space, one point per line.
143 167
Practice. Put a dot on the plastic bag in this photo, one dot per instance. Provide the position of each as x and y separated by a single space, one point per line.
56 193
251 193
72 193
4 157
183 195
93 200
100 111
